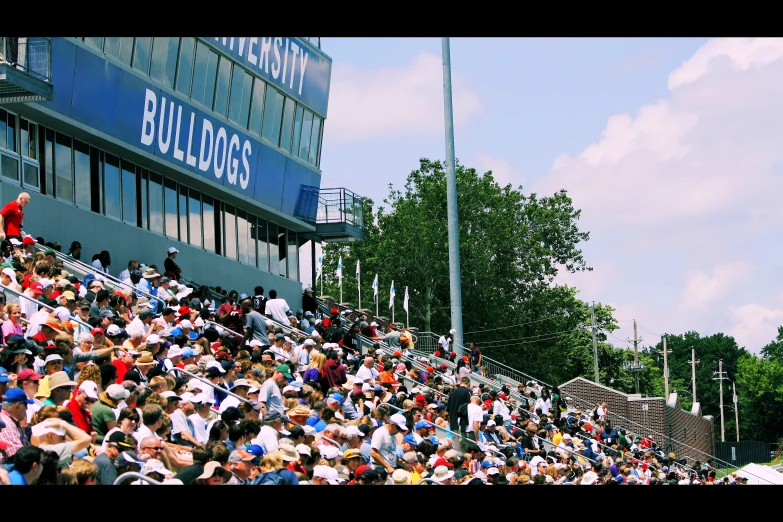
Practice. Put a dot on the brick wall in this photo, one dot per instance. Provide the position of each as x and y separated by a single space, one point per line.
685 433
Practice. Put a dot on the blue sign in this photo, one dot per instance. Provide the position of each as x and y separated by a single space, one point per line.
287 63
102 95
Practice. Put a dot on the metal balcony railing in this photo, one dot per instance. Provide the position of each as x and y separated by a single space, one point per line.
29 54
340 205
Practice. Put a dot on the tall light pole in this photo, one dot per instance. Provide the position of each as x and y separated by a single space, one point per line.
451 202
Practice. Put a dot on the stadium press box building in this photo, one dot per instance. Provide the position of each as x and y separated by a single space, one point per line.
211 145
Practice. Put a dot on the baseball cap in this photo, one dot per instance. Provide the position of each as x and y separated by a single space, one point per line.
399 420
28 375
89 388
17 395
286 371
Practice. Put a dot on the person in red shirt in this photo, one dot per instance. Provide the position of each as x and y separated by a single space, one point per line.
12 217
79 406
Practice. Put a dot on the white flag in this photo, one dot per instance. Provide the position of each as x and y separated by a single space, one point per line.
319 266
358 273
391 296
375 286
340 272
405 302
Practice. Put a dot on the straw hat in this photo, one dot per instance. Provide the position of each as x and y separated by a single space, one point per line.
401 477
59 379
442 473
288 452
299 411
146 358
212 467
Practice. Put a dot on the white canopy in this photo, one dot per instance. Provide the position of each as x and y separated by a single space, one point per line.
758 474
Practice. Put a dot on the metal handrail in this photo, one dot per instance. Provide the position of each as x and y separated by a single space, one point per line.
428 481
24 46
136 475
18 295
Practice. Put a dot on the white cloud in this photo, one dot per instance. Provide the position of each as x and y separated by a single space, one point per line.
753 325
502 170
703 291
393 101
689 181
592 284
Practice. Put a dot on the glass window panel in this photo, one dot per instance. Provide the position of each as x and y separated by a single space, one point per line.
126 49
268 129
307 127
95 180
257 106
170 201
49 159
112 46
239 104
31 150
288 124
183 214
9 167
263 247
251 240
185 67
24 136
314 139
204 73
297 129
129 192
30 174
82 175
11 133
230 228
194 211
164 59
141 58
274 251
282 251
63 164
3 128
142 199
293 258
242 236
94 41
223 81
208 213
111 186
155 202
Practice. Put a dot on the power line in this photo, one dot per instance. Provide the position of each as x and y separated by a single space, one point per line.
648 331
489 343
514 325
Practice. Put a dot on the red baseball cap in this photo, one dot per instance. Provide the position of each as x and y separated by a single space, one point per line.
361 469
97 331
443 367
421 398
184 310
28 240
502 396
28 375
335 311
36 287
442 462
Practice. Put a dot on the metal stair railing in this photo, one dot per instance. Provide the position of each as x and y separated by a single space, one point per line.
15 296
139 476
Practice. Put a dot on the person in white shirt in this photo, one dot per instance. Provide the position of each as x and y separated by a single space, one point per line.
240 387
199 419
269 436
366 372
277 309
445 340
500 408
475 417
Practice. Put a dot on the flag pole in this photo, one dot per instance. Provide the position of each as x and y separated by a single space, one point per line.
359 283
407 307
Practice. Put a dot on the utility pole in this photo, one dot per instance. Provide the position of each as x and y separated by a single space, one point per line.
595 346
635 345
736 409
694 362
666 369
721 378
455 285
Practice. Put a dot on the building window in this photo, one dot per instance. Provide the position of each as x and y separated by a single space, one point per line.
141 58
286 132
141 201
155 202
82 174
194 212
307 128
185 67
223 84
239 102
129 193
94 41
314 140
257 107
271 128
282 252
274 251
242 236
230 231
164 60
204 75
48 155
297 130
263 245
293 258
183 214
95 181
126 50
111 186
63 164
112 46
27 136
8 130
170 205
208 213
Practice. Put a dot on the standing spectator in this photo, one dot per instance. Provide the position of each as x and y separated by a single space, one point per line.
172 269
75 251
12 217
102 261
277 309
259 301
308 301
475 357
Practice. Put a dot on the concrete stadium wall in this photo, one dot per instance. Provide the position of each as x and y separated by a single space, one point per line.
60 221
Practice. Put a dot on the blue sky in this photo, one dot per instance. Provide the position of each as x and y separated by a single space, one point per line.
669 146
